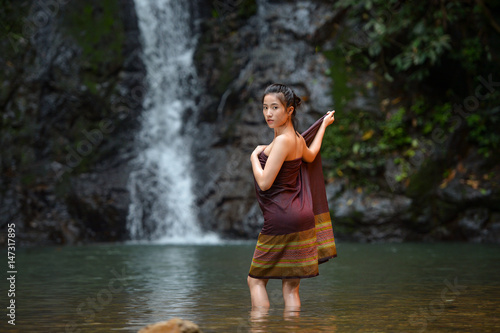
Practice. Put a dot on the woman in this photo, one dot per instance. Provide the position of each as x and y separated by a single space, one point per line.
297 233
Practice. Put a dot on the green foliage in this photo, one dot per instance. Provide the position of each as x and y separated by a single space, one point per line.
339 73
11 22
247 8
394 132
470 54
359 143
483 133
13 40
350 149
428 53
413 37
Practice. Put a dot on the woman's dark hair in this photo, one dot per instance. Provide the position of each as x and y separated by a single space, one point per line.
286 96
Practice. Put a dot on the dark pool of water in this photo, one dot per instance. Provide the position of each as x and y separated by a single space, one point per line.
367 288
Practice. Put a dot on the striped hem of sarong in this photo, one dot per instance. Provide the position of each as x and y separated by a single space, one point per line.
284 277
325 259
325 238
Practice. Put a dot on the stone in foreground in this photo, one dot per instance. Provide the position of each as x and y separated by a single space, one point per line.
175 325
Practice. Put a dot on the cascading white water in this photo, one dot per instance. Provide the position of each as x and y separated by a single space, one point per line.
161 206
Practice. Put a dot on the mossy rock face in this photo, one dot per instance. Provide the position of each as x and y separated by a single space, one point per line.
241 9
66 77
247 8
426 180
95 27
221 51
13 38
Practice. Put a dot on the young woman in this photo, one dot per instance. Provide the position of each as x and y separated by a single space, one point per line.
297 233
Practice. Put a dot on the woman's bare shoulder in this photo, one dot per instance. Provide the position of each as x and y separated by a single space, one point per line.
283 142
302 140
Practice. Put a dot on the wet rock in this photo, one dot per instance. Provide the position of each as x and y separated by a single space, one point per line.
370 216
175 325
471 224
493 229
100 201
458 191
371 208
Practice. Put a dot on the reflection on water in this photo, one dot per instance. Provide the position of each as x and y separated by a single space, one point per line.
368 288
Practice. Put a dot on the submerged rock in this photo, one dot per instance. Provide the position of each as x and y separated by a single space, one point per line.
175 325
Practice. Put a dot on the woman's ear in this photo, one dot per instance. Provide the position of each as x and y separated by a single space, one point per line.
290 110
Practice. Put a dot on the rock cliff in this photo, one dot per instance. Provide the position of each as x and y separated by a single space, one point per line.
72 91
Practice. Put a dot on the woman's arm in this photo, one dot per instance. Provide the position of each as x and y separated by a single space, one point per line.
265 177
309 153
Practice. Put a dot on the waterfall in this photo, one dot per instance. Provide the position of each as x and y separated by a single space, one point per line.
160 184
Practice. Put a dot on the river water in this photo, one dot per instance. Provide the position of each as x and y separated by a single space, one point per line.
367 288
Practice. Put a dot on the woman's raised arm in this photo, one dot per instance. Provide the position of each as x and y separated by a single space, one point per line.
309 153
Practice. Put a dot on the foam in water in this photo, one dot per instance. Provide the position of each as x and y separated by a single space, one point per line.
160 185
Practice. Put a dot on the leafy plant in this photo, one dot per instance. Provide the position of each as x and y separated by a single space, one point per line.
412 37
432 55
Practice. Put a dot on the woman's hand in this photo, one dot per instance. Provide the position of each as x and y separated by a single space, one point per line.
329 119
259 149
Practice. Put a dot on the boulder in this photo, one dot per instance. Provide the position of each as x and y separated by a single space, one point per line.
175 325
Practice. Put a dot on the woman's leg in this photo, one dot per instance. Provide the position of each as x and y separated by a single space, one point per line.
291 293
258 292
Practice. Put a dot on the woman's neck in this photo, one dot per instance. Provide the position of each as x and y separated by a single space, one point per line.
285 128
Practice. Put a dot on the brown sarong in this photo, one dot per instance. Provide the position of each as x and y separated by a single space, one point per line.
297 234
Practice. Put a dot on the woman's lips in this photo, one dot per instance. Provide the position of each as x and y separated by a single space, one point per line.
269 121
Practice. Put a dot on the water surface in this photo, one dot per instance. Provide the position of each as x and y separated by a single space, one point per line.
367 288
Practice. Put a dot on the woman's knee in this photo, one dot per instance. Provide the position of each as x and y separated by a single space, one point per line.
249 281
256 282
291 284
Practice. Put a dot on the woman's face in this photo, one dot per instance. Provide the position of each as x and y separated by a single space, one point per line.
274 111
